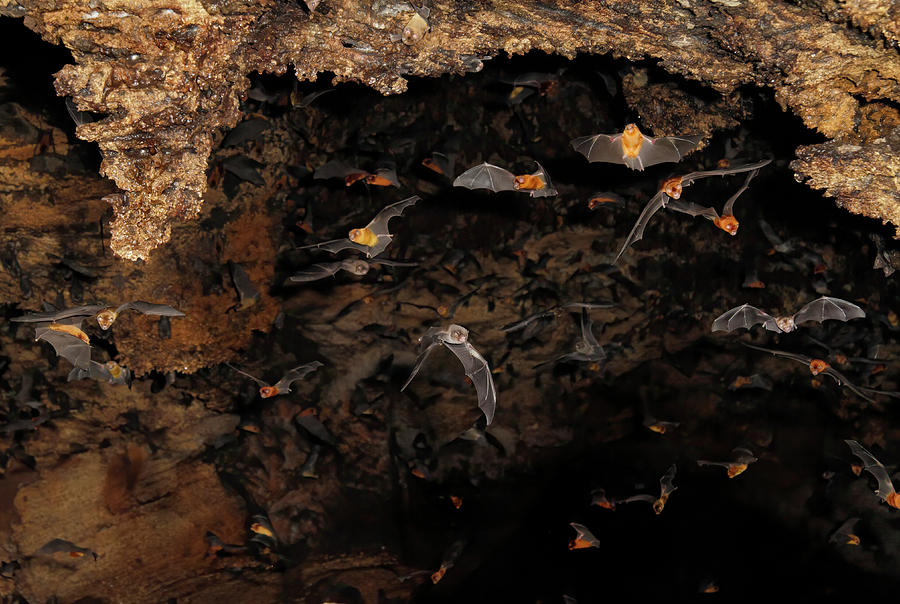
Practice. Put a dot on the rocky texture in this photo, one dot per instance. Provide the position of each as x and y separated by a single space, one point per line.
168 76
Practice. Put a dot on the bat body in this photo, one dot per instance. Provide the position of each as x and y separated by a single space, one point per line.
587 348
819 310
670 193
67 339
742 458
282 386
666 488
494 178
354 266
456 338
844 535
67 547
584 538
634 149
373 238
449 561
885 487
110 372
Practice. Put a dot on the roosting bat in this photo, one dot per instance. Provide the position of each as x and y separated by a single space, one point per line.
247 293
553 312
494 178
585 538
671 191
844 535
373 238
819 310
666 486
743 457
351 265
384 176
586 349
456 338
282 386
67 547
634 149
885 488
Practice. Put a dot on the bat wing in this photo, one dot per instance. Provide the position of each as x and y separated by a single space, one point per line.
843 381
61 545
297 373
637 232
690 178
244 168
247 293
781 353
335 169
587 305
56 315
245 374
379 224
510 327
587 333
336 245
316 272
875 467
486 176
477 370
151 309
728 208
648 498
826 308
740 317
585 534
666 149
69 347
420 360
667 482
386 262
601 147
548 189
692 209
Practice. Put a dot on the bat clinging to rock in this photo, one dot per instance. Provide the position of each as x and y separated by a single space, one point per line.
456 338
819 310
494 178
282 386
885 488
56 546
373 238
634 149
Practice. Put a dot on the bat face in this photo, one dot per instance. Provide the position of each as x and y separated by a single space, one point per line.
817 366
363 236
528 182
358 267
378 180
672 187
728 223
268 391
457 334
415 30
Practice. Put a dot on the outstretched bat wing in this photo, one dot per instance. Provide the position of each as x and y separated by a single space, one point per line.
69 347
667 482
692 209
336 245
245 374
690 178
316 272
728 208
637 232
379 224
56 315
548 190
667 149
826 308
875 467
780 353
740 317
297 373
600 147
486 176
477 370
151 309
420 360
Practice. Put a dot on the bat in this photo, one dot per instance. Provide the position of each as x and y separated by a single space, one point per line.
339 169
104 314
355 266
308 99
244 168
248 295
603 198
416 28
105 318
282 386
442 163
844 535
308 469
666 488
599 498
659 426
246 131
216 545
743 457
28 423
585 538
727 222
817 366
586 349
385 175
819 310
450 557
552 312
447 312
885 259
67 339
634 149
885 488
671 192
494 178
308 421
110 372
456 338
67 547
373 238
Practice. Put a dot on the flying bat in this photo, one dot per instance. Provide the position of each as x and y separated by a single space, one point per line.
282 386
666 488
450 557
844 535
586 349
67 339
373 238
55 315
494 178
456 338
106 318
671 192
355 266
442 163
742 458
585 538
819 310
110 372
634 149
885 488
552 312
67 547
599 498
657 425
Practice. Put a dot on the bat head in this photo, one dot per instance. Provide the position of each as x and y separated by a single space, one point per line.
672 187
359 267
735 469
457 334
443 310
528 182
268 391
727 223
437 575
378 181
114 369
363 236
659 504
817 366
415 30
579 543
852 539
786 324
105 318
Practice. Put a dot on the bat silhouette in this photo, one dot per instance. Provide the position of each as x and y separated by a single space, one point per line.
742 458
282 386
456 338
819 310
355 266
62 546
494 178
585 538
442 163
844 535
666 488
817 366
885 488
634 149
552 312
671 192
308 469
385 174
586 349
373 238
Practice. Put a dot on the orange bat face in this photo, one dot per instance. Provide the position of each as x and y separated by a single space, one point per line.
268 391
114 369
735 469
672 187
741 381
856 469
105 318
443 310
632 139
438 574
76 554
528 182
756 285
840 359
456 501
658 427
71 330
659 504
378 181
817 366
356 177
727 223
363 236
